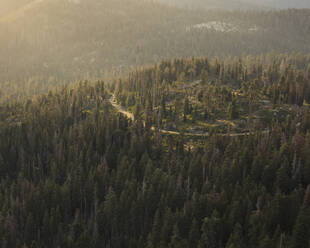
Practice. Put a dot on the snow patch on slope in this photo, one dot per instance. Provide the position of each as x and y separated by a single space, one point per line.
74 1
223 27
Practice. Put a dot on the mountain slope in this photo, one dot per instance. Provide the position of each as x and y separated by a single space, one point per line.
216 4
74 173
239 4
67 40
19 11
282 4
235 96
8 6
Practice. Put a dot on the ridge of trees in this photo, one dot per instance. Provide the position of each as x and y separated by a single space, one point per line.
110 35
73 173
247 92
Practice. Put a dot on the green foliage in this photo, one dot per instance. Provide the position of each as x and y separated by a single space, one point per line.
73 179
301 231
171 95
54 42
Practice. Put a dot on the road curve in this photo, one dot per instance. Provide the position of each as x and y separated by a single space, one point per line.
121 109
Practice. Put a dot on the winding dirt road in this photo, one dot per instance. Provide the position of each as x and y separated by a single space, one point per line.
129 115
120 109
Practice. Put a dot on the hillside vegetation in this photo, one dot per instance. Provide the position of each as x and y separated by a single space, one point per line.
59 41
198 96
9 6
239 4
75 173
134 124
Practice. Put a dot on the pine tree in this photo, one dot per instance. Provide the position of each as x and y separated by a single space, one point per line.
194 234
30 229
236 238
154 236
301 231
210 232
176 240
283 178
266 243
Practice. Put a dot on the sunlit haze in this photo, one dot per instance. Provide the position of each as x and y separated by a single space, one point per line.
155 123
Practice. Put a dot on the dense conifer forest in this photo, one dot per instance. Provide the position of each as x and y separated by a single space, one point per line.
201 95
239 4
67 40
128 123
76 173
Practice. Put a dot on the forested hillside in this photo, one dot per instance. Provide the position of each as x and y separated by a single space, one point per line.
282 4
239 4
137 124
200 95
7 6
59 41
75 173
217 4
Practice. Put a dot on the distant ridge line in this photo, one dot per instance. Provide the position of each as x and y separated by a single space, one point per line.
14 15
